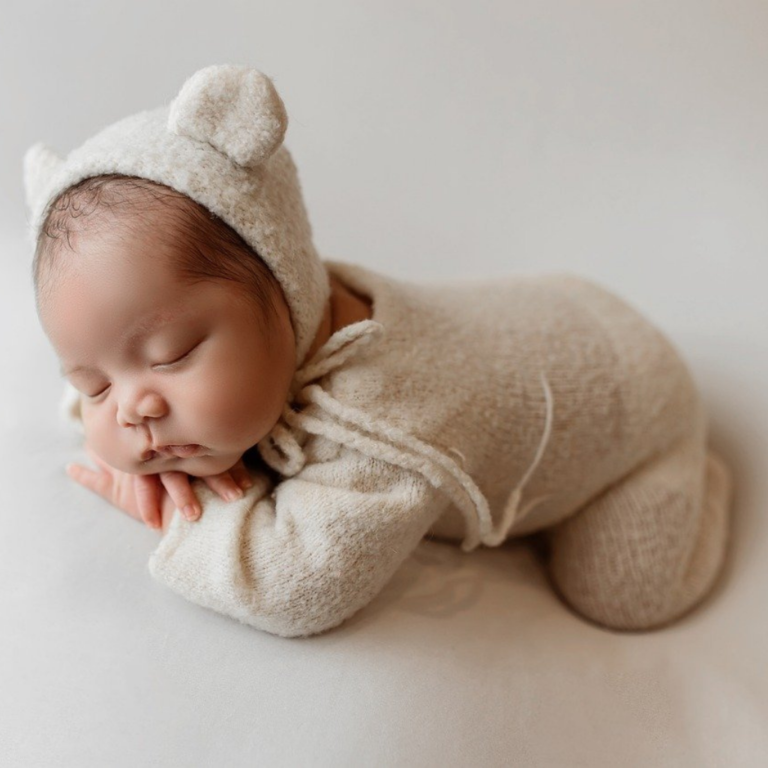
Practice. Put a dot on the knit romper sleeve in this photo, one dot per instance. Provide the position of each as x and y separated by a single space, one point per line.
300 557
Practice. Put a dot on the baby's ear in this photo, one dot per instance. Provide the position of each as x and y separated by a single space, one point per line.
40 163
235 109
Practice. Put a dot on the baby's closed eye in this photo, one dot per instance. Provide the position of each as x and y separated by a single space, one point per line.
179 358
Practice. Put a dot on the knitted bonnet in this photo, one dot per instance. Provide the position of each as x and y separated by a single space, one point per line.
220 143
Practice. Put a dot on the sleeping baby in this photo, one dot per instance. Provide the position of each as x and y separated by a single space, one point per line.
294 426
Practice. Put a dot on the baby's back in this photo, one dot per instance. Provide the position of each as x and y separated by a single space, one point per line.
461 366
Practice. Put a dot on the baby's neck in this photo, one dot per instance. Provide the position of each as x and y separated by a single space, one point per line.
344 308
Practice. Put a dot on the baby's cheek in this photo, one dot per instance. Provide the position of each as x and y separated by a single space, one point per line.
230 408
94 436
102 439
223 405
87 424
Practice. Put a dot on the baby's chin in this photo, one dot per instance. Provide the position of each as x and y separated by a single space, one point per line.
202 466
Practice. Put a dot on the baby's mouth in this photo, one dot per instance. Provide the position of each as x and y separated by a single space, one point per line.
174 451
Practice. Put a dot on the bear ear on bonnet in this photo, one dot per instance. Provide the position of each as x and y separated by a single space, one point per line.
235 109
40 164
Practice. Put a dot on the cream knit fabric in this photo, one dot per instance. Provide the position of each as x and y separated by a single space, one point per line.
471 412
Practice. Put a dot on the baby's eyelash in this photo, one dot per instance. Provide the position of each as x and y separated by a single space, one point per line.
98 394
177 360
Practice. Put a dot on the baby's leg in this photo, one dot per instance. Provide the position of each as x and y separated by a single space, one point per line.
648 549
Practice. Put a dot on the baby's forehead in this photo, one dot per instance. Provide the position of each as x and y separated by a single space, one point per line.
144 229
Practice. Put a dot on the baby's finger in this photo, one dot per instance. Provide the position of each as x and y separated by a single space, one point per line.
225 485
97 481
148 491
241 475
179 489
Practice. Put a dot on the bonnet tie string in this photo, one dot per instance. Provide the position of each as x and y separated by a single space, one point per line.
282 448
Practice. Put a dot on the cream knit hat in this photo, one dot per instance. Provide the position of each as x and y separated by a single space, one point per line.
220 143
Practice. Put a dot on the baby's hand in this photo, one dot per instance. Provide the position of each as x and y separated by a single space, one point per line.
151 498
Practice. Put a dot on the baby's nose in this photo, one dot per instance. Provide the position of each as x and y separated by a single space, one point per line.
148 406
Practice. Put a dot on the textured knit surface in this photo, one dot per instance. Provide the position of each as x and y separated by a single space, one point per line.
474 412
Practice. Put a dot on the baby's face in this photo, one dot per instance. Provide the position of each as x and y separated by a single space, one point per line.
160 362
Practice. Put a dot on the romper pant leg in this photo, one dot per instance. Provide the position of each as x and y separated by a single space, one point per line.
647 549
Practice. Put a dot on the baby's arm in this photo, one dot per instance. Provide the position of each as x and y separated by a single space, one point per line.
300 557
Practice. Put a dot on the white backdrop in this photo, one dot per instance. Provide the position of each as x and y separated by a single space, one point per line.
625 141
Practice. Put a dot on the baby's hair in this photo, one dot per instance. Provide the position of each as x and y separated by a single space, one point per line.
204 247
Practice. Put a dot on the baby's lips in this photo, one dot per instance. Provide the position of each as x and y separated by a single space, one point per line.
180 451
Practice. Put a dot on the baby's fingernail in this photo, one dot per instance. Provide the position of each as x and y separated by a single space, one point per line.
246 482
190 512
233 494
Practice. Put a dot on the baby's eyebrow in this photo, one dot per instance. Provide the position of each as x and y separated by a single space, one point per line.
132 337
